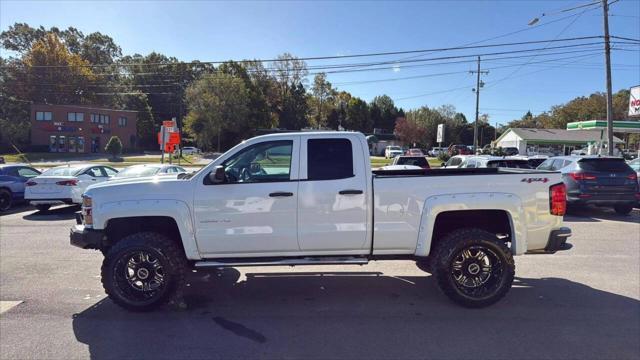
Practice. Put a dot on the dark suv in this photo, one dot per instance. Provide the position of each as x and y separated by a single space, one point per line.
601 181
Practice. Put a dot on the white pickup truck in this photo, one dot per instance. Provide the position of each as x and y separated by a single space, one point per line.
311 198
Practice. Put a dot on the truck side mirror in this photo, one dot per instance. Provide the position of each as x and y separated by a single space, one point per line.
218 176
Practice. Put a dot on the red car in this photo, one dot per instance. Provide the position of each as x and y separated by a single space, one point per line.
459 150
414 152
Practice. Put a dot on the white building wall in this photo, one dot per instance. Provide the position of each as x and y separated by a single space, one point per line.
511 139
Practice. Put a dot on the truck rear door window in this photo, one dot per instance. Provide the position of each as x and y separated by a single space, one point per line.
329 159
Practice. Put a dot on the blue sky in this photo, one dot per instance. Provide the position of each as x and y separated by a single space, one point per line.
210 31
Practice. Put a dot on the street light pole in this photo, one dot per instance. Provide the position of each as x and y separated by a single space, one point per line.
607 59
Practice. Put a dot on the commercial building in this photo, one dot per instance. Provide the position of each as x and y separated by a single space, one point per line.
548 141
80 128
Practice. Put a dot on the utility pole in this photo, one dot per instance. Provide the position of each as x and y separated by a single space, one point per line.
607 60
479 84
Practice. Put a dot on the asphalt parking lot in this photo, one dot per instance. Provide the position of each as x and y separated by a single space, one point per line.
582 304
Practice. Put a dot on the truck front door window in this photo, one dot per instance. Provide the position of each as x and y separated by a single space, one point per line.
255 210
264 162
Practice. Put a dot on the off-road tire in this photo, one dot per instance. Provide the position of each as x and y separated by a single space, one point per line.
43 207
6 200
623 209
451 246
172 260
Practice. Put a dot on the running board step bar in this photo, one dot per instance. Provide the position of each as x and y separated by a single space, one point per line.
284 262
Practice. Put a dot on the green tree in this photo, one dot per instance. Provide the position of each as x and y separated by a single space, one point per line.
288 72
216 104
145 128
321 100
14 110
295 111
114 147
388 112
54 75
358 116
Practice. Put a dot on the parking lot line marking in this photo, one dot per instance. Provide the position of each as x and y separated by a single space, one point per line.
8 305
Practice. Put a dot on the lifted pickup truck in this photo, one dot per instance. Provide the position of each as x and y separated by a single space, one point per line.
312 198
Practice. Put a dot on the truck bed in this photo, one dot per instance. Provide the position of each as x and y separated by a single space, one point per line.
455 171
407 203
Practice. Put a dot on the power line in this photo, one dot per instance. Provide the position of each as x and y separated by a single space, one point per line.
589 52
451 57
328 57
560 33
107 85
505 35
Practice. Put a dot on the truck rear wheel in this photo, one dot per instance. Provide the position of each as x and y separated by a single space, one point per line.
473 267
143 271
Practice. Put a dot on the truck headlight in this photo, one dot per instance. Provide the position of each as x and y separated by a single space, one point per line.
86 201
87 210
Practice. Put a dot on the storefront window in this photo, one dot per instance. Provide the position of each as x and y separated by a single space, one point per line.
44 116
75 116
72 144
53 144
80 144
62 144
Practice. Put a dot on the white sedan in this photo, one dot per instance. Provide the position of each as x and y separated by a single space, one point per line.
64 184
147 170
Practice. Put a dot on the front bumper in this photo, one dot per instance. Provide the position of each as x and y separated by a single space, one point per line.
86 238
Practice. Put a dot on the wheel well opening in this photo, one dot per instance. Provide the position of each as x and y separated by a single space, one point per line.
494 221
121 227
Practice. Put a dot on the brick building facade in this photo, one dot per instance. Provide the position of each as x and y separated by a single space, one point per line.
80 128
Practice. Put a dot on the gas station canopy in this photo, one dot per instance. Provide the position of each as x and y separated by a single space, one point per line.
619 126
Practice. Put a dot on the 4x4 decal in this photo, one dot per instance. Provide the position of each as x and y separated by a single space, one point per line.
530 180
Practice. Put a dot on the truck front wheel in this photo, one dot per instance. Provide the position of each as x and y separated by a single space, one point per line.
473 267
143 271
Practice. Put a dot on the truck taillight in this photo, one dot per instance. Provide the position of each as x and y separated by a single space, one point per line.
578 176
31 183
73 182
558 199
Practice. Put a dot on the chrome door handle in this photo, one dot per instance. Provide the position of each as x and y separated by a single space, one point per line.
280 194
350 192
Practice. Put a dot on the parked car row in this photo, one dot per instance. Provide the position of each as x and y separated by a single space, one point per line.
66 184
590 180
